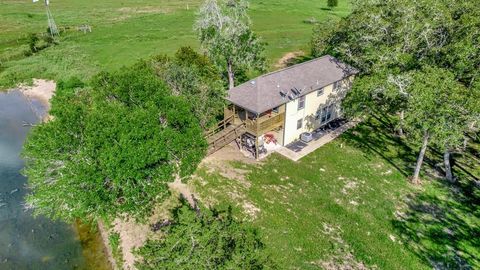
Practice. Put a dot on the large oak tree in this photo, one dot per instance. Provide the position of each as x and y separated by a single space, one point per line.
111 147
224 30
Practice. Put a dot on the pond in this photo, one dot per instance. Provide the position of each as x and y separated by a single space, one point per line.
27 242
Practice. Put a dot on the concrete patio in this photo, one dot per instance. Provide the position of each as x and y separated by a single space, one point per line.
297 150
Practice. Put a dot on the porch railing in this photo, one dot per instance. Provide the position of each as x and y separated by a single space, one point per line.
264 124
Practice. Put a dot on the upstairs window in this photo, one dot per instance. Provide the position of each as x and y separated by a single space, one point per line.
320 92
301 103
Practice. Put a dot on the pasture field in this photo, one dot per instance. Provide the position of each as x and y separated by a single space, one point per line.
125 31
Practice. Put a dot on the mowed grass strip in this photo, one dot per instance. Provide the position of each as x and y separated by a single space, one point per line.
123 32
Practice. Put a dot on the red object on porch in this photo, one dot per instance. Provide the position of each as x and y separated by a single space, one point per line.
270 138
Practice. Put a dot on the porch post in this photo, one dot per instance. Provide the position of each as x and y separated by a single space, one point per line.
256 147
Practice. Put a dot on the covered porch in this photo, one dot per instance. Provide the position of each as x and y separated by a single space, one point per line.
266 129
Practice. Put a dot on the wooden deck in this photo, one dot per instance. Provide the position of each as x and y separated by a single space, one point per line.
225 133
236 124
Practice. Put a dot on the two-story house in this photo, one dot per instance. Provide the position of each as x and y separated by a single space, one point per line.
290 101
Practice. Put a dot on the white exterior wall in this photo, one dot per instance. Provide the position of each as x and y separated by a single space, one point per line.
313 103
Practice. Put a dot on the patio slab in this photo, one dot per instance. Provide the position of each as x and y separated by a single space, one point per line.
297 150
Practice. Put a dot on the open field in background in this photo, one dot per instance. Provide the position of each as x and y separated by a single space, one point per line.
350 203
124 31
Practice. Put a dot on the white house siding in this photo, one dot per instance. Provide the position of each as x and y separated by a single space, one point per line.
313 103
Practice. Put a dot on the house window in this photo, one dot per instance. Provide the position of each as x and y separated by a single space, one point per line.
327 113
318 114
319 92
324 115
301 103
299 123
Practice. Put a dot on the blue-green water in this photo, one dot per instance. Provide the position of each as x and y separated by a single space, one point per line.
27 242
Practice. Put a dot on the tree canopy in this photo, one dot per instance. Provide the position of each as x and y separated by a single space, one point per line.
224 30
437 111
205 239
405 49
111 146
407 34
196 78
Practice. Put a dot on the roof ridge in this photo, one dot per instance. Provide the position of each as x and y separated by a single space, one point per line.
294 66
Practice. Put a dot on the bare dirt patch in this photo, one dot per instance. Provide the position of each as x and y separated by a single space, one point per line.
342 257
144 10
132 235
230 163
221 162
288 59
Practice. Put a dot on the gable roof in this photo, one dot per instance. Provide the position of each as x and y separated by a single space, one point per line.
264 93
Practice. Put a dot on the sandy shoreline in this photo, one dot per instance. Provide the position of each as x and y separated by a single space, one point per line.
41 91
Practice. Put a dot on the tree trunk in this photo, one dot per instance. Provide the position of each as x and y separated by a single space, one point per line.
421 155
400 129
465 143
231 75
448 166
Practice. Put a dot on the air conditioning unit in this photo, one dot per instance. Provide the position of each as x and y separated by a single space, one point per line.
306 137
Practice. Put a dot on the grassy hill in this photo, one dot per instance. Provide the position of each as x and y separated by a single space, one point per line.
350 205
124 31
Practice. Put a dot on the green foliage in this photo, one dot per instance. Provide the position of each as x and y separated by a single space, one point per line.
390 41
36 44
332 3
224 30
32 42
408 34
208 239
438 105
321 34
114 242
194 77
111 147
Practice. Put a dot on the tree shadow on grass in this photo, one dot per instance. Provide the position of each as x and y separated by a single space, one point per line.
374 136
440 224
442 227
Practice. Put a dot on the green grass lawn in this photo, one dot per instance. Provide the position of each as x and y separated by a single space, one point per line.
350 202
124 31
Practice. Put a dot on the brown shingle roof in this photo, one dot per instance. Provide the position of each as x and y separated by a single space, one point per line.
263 93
